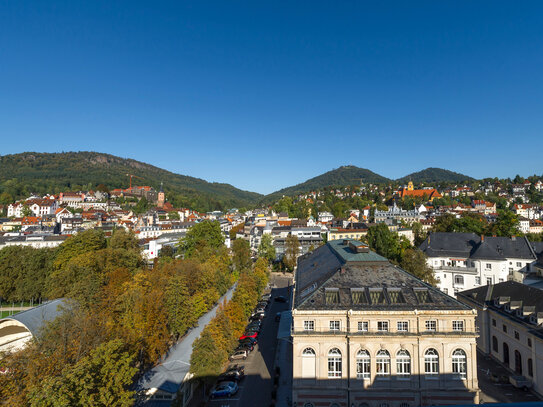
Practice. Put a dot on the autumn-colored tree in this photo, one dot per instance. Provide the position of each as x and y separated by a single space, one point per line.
100 379
292 249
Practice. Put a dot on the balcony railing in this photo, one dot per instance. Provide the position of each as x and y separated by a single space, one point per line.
455 269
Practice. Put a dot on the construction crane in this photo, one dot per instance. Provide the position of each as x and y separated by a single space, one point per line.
132 176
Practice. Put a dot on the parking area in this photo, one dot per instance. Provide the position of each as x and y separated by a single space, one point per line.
255 389
494 387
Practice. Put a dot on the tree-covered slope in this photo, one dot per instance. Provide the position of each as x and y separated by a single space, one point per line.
433 175
342 176
40 173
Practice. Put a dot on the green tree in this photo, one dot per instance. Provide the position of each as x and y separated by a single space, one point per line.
26 211
384 242
142 206
506 225
266 249
203 235
292 249
444 223
241 254
123 239
414 261
419 233
177 299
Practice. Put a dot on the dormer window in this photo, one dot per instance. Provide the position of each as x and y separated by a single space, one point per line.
423 297
331 295
395 295
377 296
358 296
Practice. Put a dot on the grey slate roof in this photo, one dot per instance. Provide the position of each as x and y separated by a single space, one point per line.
35 318
335 266
470 245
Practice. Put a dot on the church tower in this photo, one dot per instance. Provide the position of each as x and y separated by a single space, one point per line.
161 197
410 186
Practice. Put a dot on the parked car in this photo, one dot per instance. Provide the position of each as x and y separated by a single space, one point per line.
260 310
260 313
256 317
280 298
249 334
234 373
248 347
278 317
266 297
520 382
252 341
252 327
254 324
239 354
262 304
224 389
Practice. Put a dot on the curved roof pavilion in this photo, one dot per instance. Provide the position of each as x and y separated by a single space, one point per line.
16 330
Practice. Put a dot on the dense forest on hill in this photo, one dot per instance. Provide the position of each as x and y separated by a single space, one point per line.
41 173
435 175
339 177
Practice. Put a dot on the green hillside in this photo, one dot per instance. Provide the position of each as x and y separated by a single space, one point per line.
435 175
41 173
339 177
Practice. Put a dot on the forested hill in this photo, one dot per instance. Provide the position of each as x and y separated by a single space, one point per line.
339 177
41 173
435 175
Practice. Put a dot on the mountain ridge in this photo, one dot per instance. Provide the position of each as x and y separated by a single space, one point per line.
32 172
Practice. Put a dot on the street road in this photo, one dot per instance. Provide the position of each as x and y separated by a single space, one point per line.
256 388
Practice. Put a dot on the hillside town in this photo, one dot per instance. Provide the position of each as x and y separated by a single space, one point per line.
450 275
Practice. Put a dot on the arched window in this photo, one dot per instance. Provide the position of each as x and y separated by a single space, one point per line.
383 363
459 364
505 354
431 362
308 405
495 344
334 363
308 364
518 362
403 363
363 364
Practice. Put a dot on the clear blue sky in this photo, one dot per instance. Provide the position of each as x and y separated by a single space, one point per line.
265 94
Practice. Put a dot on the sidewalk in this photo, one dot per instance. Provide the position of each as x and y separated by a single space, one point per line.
283 360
